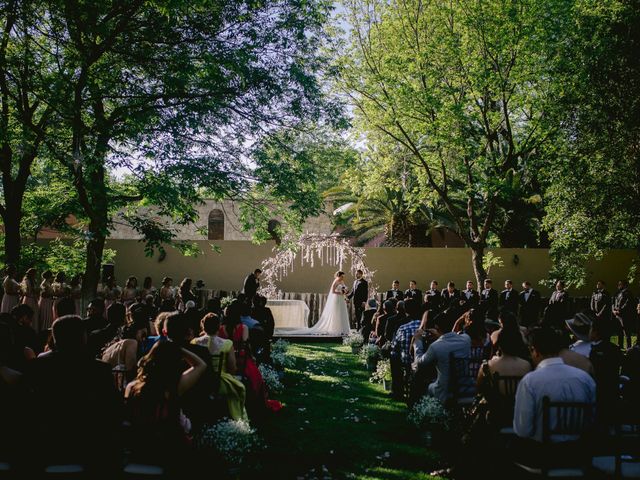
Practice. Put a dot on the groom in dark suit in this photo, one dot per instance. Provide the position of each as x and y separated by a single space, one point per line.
359 294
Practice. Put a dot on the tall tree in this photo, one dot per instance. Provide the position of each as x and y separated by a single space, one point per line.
463 87
25 114
593 189
176 94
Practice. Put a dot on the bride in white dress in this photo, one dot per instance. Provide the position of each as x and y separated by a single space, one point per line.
335 318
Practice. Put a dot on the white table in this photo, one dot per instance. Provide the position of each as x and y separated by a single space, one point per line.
289 313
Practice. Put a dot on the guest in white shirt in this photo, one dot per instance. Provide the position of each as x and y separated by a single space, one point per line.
551 378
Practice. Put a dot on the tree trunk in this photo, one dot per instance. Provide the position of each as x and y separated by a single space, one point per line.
477 256
95 248
12 243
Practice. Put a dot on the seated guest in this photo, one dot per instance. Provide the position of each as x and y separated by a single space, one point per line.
508 321
230 387
438 356
606 359
551 378
473 324
508 362
389 307
256 332
400 318
83 410
127 347
98 339
572 358
401 351
26 345
367 318
196 403
95 319
580 326
159 426
263 315
257 402
11 411
214 306
64 306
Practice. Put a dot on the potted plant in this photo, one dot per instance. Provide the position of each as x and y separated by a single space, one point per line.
353 340
382 374
430 418
370 354
233 440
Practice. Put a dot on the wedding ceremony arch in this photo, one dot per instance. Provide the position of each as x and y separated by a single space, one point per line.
311 248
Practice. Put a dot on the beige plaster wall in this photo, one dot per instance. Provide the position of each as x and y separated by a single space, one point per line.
226 270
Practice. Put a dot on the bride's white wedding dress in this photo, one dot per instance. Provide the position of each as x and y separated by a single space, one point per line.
334 319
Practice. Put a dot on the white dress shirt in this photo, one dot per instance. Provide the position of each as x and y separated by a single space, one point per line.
581 347
554 379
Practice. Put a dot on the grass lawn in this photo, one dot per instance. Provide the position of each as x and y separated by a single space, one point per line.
336 424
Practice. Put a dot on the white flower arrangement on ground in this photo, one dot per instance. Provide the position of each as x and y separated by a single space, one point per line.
271 378
429 412
383 372
370 353
353 340
233 439
281 346
282 360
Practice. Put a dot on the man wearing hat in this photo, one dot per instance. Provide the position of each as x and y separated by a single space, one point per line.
580 326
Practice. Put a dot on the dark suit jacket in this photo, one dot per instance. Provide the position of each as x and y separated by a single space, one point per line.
601 303
471 302
397 294
413 295
450 301
624 302
529 309
489 303
393 323
360 291
510 302
557 310
251 285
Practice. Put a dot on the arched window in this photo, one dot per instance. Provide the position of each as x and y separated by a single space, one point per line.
216 225
273 227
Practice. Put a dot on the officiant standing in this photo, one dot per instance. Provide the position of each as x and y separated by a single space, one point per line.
251 285
359 294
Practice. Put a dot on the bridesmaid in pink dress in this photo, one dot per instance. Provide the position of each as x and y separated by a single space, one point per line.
76 292
111 293
11 289
30 295
45 305
130 291
60 290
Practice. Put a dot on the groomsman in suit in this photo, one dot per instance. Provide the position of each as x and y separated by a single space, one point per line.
509 298
359 294
557 310
251 285
601 302
489 300
624 308
433 299
530 302
413 293
450 299
395 291
469 297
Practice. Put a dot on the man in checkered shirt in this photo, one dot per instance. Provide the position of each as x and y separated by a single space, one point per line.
401 349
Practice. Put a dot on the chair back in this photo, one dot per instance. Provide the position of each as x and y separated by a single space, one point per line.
506 386
627 449
570 419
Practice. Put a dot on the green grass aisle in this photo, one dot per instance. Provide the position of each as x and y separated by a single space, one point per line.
336 424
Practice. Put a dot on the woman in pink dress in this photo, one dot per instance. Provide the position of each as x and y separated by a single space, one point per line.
30 295
111 293
45 305
130 291
11 288
60 290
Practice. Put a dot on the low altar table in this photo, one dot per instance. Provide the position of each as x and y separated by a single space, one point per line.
289 313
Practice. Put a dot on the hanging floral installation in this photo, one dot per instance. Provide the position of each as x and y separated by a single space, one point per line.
312 248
